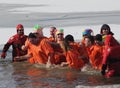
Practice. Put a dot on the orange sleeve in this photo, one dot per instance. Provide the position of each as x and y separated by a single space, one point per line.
51 39
96 57
73 60
46 47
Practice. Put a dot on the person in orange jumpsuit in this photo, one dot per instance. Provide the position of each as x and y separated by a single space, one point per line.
89 42
38 31
59 47
52 34
40 50
96 54
111 58
73 57
85 33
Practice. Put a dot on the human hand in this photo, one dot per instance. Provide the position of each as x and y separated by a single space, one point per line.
103 72
24 47
3 55
48 64
64 64
17 58
104 66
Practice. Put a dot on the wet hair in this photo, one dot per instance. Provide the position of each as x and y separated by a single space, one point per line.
32 35
91 38
98 37
69 38
107 27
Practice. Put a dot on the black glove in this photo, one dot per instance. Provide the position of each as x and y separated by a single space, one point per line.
103 72
104 66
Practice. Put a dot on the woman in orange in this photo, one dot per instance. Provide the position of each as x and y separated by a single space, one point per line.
96 55
59 47
73 57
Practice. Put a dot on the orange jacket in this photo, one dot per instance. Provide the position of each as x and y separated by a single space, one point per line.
75 56
51 39
96 56
72 57
82 51
41 51
59 54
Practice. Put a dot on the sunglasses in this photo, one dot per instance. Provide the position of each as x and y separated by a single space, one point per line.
20 30
36 33
60 34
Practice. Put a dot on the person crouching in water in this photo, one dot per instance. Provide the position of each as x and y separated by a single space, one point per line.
111 58
40 51
73 57
16 41
85 33
96 54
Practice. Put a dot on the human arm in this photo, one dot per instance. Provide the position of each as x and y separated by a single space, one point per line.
50 59
64 64
105 60
20 58
104 67
5 48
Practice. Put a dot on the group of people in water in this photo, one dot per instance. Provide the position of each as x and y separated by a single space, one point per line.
101 51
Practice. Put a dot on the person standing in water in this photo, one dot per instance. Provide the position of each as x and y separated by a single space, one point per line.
16 41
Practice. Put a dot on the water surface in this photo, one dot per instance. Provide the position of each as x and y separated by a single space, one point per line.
25 75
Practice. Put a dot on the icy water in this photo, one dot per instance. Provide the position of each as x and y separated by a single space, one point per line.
25 75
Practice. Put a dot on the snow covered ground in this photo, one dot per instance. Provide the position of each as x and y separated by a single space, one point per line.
11 9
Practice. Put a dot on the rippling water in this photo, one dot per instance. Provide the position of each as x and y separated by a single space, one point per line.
25 75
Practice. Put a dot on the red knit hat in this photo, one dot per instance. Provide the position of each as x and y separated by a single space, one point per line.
19 26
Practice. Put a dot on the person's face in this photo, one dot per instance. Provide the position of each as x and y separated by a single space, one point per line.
87 42
52 32
105 31
60 37
39 33
33 40
20 31
97 42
